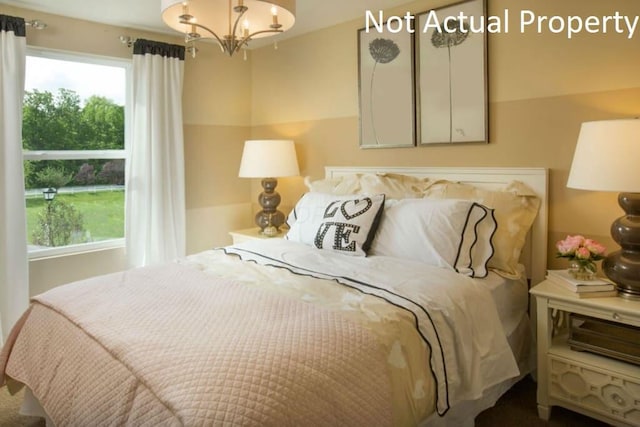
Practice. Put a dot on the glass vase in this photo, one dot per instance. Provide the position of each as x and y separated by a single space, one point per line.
582 271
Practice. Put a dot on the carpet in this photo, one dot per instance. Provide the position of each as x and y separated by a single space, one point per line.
518 407
9 411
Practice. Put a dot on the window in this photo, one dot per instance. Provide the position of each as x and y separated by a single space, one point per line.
74 141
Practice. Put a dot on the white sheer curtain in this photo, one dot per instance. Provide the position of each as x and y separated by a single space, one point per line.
14 263
155 219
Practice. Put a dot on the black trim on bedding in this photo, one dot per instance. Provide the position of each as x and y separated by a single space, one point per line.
476 239
340 280
475 231
464 229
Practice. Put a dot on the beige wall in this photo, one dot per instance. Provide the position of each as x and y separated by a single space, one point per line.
542 87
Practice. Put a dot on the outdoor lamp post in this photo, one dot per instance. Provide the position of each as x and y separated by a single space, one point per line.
49 195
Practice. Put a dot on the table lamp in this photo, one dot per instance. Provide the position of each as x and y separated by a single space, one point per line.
269 159
607 158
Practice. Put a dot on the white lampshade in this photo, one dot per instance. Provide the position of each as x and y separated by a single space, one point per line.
268 158
607 157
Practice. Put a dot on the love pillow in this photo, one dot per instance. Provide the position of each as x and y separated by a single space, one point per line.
345 224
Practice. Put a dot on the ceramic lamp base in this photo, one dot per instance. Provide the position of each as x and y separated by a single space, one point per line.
623 266
269 200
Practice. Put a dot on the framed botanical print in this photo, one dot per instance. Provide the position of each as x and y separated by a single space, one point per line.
451 81
386 89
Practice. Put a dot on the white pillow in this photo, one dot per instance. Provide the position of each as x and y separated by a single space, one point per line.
450 233
346 224
516 207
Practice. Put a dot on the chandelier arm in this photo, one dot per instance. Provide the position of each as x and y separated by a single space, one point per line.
235 25
261 32
219 40
245 41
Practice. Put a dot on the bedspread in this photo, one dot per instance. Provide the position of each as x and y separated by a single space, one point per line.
153 353
454 315
264 333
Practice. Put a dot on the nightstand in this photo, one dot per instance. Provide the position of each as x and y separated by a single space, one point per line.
588 383
240 236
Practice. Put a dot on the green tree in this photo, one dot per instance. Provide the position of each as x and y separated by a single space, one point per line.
52 177
27 167
51 122
59 224
60 122
103 124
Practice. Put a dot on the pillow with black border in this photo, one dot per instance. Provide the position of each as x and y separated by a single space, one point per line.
515 208
453 234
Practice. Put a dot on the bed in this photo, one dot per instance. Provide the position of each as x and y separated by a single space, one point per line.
349 320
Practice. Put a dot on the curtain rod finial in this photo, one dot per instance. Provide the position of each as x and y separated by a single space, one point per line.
36 24
126 40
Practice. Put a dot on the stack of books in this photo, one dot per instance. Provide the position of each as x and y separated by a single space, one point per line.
595 288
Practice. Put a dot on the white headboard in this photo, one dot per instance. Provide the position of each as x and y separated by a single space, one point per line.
534 254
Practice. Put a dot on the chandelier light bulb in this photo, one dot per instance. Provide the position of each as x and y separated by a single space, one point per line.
245 31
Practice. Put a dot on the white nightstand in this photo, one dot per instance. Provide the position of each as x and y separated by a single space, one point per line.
240 236
594 385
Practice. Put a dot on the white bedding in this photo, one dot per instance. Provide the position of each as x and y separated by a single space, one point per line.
455 314
511 297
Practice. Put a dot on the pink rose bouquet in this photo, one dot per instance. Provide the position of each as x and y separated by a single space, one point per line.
581 251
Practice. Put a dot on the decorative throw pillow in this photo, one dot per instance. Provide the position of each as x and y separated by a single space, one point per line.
454 234
393 186
345 224
516 207
340 186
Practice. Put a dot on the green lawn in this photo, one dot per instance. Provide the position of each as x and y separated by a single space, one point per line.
103 212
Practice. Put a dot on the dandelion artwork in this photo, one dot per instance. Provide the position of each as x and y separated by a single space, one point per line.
386 90
382 51
448 39
451 78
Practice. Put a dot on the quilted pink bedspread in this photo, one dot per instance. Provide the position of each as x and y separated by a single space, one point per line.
170 345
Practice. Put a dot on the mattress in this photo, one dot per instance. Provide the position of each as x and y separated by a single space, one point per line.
413 341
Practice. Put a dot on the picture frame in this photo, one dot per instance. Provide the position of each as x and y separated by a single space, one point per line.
451 80
386 80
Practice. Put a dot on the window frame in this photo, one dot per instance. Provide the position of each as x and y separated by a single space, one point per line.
36 155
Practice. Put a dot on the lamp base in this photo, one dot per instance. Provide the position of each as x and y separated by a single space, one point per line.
623 266
269 217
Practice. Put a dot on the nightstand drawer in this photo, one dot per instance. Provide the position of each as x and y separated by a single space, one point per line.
614 309
599 390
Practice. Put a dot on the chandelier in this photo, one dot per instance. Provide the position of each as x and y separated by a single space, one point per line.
232 26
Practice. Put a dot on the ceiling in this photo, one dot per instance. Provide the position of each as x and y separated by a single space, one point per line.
145 14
